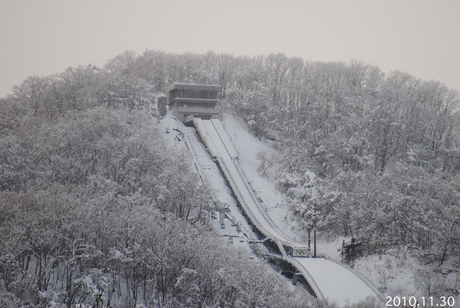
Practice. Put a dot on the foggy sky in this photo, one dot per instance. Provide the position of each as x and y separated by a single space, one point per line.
420 37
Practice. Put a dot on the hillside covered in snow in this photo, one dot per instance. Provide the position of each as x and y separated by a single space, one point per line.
98 207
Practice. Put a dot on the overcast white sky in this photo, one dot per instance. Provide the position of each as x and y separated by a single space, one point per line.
421 37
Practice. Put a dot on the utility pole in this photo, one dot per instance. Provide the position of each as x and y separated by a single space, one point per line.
314 235
314 230
237 153
222 208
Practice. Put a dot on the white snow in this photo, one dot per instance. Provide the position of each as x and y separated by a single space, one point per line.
266 205
248 147
336 282
212 179
240 184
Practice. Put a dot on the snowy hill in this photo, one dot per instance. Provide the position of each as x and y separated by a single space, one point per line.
272 202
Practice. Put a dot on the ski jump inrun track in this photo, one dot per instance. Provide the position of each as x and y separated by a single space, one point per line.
326 278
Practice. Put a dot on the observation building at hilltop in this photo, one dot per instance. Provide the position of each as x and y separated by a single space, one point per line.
194 100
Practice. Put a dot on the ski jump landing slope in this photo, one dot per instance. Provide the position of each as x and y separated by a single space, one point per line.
328 279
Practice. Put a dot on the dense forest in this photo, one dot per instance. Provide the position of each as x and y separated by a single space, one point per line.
93 205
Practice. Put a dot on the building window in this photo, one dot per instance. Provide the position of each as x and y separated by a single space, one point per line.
200 94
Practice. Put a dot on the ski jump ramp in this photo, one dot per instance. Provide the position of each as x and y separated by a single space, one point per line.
327 279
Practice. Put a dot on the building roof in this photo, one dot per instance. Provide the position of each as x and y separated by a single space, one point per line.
191 86
194 99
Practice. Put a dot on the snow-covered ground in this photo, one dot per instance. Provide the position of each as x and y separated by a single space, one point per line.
185 138
248 146
401 274
397 274
214 136
335 282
